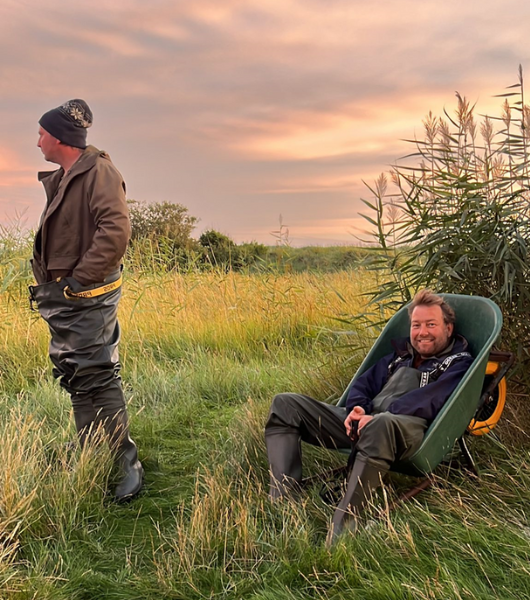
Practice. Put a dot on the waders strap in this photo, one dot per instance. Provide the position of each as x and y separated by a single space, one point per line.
104 289
31 297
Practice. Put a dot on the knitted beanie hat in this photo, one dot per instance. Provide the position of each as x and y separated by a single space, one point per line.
68 122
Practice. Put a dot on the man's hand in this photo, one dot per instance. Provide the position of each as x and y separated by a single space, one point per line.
363 421
357 414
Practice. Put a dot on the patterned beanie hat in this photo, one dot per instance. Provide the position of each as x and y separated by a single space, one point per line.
68 122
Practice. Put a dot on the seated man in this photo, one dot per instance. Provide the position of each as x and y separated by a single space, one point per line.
388 409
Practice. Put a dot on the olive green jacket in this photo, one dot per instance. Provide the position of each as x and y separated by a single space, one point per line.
85 227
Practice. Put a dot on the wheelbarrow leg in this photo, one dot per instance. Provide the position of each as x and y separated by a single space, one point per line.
470 463
424 484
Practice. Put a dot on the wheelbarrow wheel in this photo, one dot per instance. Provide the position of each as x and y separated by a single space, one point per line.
490 412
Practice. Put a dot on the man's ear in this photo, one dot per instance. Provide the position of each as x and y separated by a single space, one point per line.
451 329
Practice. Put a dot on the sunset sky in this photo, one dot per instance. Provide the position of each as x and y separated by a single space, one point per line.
245 110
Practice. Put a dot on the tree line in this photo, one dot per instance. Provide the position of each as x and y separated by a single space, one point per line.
166 228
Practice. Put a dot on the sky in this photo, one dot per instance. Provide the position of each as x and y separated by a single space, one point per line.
248 112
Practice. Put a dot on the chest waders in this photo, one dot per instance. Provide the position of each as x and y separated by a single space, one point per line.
384 439
84 351
392 436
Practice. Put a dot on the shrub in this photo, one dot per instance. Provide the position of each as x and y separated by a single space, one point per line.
457 219
251 253
220 250
162 220
161 236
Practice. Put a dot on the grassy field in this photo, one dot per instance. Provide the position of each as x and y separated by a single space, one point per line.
202 355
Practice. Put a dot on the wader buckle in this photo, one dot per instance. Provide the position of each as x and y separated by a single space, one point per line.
31 298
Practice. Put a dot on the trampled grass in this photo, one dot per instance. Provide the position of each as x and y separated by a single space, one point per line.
202 356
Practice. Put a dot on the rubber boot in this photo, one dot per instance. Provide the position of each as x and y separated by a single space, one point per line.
364 479
84 417
285 460
131 471
112 414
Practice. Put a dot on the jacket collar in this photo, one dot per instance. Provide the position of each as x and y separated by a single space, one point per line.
85 162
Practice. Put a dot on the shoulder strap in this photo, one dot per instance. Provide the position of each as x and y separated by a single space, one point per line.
432 375
395 363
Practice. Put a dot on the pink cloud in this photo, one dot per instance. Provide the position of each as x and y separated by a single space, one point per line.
13 171
241 107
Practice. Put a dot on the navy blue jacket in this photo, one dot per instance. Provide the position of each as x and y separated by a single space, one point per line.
424 402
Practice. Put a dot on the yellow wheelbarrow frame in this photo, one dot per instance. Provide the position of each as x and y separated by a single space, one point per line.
493 398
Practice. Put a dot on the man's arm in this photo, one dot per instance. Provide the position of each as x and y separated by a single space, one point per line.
368 385
108 206
426 402
365 388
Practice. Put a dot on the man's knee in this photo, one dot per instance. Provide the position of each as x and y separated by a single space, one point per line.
282 402
389 437
91 381
282 412
381 424
377 439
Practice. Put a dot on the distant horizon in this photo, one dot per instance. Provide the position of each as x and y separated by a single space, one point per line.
242 111
17 226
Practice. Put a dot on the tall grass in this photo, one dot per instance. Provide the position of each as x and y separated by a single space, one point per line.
455 543
202 356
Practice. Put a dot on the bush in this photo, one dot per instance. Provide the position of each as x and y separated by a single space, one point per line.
221 251
161 236
457 220
251 253
162 220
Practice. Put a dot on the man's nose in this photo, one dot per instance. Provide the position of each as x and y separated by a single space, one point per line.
423 330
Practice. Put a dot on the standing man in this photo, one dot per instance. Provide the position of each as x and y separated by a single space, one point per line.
77 254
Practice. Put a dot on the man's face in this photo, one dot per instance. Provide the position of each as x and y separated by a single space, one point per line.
48 145
429 334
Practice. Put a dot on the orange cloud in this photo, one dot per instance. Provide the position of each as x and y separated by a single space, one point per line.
242 104
13 171
371 127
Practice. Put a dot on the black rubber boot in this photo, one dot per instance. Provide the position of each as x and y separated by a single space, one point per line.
131 472
364 479
285 460
112 413
88 421
84 417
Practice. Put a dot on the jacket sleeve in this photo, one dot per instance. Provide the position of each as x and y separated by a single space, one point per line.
108 207
368 385
426 402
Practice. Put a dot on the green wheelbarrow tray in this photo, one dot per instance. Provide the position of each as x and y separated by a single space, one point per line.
479 320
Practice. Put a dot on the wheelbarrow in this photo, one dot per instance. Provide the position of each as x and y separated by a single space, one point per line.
475 406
